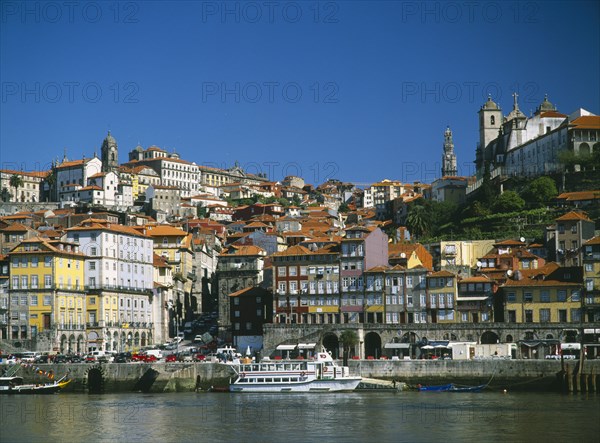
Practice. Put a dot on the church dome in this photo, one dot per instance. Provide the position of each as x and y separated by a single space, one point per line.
546 105
138 148
490 104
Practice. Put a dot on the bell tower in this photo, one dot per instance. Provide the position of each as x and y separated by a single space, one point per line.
448 157
109 154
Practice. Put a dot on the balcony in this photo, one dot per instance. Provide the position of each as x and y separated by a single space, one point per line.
95 288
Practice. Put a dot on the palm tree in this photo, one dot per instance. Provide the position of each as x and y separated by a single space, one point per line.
417 220
16 181
349 340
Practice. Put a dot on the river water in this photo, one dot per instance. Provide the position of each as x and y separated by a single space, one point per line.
348 417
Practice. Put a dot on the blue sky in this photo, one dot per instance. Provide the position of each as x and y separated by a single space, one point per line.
358 91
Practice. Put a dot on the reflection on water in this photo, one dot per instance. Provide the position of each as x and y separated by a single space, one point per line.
406 416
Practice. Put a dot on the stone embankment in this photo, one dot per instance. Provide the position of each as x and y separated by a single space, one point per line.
180 377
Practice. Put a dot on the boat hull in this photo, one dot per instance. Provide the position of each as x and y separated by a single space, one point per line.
333 385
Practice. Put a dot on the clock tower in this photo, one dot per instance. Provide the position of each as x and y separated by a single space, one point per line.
109 154
448 157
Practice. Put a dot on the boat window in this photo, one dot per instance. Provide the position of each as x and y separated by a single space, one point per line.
255 367
277 380
269 380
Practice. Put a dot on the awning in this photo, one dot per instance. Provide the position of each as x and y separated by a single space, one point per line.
591 331
471 298
286 347
531 344
396 346
306 345
427 347
575 346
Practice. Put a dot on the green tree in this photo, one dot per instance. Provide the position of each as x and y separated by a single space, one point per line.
509 201
16 181
417 221
201 210
5 195
487 190
343 207
540 192
349 340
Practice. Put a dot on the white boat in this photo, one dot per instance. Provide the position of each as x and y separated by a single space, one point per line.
320 374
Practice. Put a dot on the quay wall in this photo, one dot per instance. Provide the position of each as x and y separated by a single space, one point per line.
500 373
185 377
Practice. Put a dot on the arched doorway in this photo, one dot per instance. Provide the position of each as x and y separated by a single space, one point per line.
409 337
332 344
489 338
72 344
372 345
92 340
143 339
80 344
63 344
95 381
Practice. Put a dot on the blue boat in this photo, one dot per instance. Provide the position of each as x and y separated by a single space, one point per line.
451 387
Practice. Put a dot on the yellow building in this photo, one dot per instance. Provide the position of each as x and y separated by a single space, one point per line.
442 290
551 294
47 281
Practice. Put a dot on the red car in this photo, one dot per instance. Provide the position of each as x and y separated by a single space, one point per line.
199 357
171 358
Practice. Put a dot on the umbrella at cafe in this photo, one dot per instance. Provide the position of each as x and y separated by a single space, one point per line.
427 347
248 352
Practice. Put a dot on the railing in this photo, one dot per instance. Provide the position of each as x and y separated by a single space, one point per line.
116 288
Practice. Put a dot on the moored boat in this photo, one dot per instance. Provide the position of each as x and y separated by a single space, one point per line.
451 387
15 385
320 374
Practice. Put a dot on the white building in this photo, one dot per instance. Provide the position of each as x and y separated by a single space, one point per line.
172 170
119 276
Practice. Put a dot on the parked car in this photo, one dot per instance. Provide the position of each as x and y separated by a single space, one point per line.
171 358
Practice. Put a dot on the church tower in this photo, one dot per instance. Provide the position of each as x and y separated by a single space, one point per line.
109 154
490 121
448 157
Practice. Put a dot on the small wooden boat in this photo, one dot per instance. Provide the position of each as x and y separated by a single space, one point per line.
15 385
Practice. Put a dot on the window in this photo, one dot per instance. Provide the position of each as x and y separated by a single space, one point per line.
544 315
47 300
545 296
34 262
24 281
92 266
575 315
527 297
47 281
33 300
34 281
281 271
293 271
575 295
15 282
562 295
528 316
